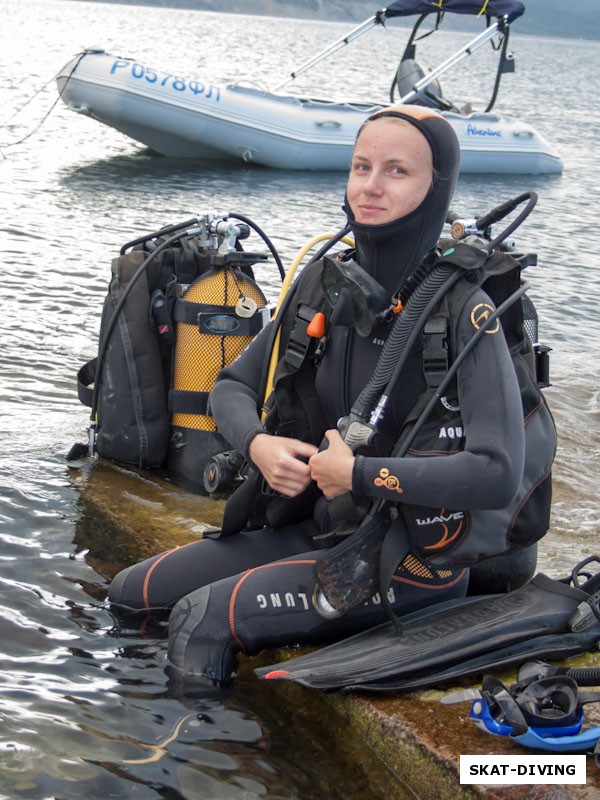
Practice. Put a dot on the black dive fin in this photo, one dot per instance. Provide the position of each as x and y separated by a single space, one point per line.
450 640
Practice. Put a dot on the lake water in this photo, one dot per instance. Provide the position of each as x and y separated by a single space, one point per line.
85 708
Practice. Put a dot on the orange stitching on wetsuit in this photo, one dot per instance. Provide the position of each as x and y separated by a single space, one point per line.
238 585
149 573
534 410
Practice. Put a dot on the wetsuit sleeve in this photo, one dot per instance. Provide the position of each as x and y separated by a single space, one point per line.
234 399
488 472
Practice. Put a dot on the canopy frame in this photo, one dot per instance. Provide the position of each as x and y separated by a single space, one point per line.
501 25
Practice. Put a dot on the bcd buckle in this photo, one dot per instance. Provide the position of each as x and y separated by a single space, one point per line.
435 350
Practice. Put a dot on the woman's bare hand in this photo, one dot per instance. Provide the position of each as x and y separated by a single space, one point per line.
332 468
279 460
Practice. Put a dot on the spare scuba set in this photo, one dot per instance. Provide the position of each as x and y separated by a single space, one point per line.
182 303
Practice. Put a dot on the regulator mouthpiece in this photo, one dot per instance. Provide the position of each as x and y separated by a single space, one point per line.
354 296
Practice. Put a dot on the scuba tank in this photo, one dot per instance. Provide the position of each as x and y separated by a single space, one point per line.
182 304
216 319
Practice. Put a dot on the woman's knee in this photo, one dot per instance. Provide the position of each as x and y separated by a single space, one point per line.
156 583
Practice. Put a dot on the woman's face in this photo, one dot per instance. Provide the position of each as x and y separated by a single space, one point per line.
391 171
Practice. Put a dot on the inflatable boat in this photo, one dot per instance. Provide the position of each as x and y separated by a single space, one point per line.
192 117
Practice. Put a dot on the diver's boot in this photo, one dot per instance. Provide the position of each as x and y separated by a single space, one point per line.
262 607
201 647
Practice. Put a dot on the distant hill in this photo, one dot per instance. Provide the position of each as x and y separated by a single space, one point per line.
544 17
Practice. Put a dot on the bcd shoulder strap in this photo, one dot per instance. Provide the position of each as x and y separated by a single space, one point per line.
297 411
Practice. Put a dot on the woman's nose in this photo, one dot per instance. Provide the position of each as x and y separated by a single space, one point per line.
373 183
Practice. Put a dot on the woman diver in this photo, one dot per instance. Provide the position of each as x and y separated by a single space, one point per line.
255 589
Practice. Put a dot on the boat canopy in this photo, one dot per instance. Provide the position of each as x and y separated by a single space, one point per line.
513 9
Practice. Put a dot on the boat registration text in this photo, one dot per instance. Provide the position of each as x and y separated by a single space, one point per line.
173 82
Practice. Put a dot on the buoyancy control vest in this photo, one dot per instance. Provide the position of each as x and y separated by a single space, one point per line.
178 309
429 532
448 537
391 532
294 409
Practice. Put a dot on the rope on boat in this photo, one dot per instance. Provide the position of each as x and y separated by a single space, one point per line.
46 115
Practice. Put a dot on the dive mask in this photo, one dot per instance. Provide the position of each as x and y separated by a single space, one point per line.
355 296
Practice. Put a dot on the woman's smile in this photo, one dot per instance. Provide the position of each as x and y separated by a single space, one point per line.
391 171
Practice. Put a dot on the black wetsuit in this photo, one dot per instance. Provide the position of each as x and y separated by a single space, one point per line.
254 589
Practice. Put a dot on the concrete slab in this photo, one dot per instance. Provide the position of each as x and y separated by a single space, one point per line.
132 514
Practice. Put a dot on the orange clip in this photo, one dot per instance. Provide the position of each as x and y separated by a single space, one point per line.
316 327
398 307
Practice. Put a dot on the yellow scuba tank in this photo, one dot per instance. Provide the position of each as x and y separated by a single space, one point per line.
216 318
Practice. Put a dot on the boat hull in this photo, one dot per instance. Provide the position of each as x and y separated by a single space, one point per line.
194 119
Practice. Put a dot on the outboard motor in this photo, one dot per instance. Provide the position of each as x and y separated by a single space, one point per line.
408 74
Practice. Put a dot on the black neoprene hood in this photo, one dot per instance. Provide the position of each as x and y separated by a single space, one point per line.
392 251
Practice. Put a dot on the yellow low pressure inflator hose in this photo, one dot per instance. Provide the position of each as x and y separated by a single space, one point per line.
287 282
